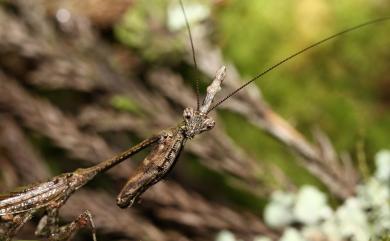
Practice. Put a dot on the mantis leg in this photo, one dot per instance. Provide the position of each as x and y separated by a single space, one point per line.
48 226
9 228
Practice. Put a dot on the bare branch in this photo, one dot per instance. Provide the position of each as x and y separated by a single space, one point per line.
250 104
213 89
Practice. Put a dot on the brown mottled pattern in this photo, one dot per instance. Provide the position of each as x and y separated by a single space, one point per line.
17 207
33 197
154 167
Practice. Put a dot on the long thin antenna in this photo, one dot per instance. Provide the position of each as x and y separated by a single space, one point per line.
298 53
196 82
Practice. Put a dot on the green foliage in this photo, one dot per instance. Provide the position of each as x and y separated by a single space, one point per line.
124 103
137 31
384 237
337 86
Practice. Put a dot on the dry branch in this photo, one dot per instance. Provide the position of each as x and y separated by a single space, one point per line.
16 147
84 73
63 131
320 160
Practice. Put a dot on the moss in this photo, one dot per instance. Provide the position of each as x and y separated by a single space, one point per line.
334 86
124 103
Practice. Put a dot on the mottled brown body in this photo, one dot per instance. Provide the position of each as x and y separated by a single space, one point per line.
154 167
18 207
33 197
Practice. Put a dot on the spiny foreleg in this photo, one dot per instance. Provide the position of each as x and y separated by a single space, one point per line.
48 226
11 224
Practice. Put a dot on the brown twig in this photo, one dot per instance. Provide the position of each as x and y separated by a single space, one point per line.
252 106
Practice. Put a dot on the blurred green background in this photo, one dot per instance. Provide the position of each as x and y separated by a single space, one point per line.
341 87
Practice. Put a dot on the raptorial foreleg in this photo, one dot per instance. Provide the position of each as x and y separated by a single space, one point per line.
48 226
11 224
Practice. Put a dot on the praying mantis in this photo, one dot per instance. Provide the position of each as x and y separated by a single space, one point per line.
16 208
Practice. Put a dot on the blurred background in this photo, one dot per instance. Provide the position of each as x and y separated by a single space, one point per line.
299 154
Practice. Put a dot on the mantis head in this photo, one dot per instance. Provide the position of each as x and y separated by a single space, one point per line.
197 121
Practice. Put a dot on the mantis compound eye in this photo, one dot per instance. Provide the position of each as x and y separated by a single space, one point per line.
188 113
209 124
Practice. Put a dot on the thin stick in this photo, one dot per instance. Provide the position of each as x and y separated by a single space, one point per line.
213 89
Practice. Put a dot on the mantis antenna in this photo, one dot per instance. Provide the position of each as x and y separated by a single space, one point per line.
298 53
193 52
